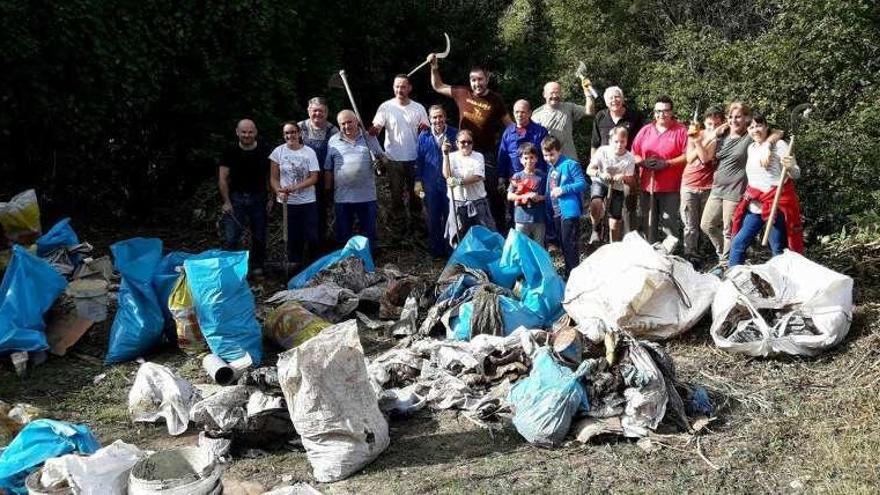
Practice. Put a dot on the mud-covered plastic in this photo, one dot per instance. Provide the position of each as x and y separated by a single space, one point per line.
40 440
789 305
332 404
545 402
29 288
138 324
356 246
225 304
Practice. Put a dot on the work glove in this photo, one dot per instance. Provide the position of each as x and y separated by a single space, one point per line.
453 181
655 164
419 190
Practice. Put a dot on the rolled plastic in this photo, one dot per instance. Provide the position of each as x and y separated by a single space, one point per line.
218 369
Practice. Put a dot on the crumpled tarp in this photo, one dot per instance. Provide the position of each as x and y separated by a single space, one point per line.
534 290
29 288
633 287
158 392
41 440
789 305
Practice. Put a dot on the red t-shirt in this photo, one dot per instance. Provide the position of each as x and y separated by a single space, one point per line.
672 143
698 175
481 115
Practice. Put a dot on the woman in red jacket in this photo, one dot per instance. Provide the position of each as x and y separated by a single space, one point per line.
765 163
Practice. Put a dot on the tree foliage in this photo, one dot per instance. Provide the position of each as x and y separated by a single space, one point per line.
116 106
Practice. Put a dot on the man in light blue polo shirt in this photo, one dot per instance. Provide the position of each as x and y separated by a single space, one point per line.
348 170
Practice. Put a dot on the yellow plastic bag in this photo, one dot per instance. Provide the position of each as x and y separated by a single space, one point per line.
180 304
291 324
20 218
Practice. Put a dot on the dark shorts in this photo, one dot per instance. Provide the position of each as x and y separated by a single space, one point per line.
599 191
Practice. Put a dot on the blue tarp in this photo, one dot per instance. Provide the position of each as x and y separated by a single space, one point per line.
30 286
40 440
356 246
224 304
139 321
517 258
545 401
60 235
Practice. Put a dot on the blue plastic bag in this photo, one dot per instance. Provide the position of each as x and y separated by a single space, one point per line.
60 235
224 304
30 286
356 246
40 440
138 324
517 258
545 401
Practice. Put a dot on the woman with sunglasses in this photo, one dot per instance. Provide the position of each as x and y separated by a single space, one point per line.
294 173
465 171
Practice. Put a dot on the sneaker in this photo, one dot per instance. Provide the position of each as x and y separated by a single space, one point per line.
595 238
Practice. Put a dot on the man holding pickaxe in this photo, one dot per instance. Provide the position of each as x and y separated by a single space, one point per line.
481 111
560 116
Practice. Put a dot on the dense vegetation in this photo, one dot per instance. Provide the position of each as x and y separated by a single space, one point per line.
117 106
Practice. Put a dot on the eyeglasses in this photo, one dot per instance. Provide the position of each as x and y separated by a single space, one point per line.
465 142
290 132
663 110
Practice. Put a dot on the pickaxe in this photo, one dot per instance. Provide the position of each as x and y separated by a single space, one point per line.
581 73
798 114
438 55
338 80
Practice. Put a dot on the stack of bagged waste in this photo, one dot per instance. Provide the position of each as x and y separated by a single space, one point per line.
637 288
494 286
789 305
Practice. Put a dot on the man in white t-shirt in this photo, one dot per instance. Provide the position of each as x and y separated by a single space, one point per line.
402 119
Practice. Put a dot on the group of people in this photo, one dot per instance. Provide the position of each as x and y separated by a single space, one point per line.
665 178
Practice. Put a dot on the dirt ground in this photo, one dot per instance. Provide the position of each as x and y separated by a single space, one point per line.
782 424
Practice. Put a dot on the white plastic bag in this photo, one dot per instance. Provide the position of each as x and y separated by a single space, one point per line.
332 404
632 287
158 392
789 305
103 473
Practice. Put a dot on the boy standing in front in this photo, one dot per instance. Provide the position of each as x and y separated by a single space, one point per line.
565 185
526 192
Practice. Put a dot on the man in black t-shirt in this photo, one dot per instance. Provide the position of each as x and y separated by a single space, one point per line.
244 184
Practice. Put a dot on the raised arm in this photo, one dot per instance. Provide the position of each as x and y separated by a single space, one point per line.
436 81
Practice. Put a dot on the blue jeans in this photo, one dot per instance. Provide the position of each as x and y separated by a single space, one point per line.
752 225
438 210
302 229
569 231
366 216
247 209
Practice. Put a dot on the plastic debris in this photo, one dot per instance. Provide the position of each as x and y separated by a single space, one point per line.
103 473
157 393
789 305
20 217
290 324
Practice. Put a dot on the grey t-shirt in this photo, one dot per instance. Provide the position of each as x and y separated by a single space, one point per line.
730 176
559 122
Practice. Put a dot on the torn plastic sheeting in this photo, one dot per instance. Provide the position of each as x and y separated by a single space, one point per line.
41 440
332 404
223 411
481 249
103 473
545 402
542 289
158 392
225 305
789 305
356 246
61 235
29 288
137 326
631 286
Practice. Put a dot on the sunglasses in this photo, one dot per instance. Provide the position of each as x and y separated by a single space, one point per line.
465 142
